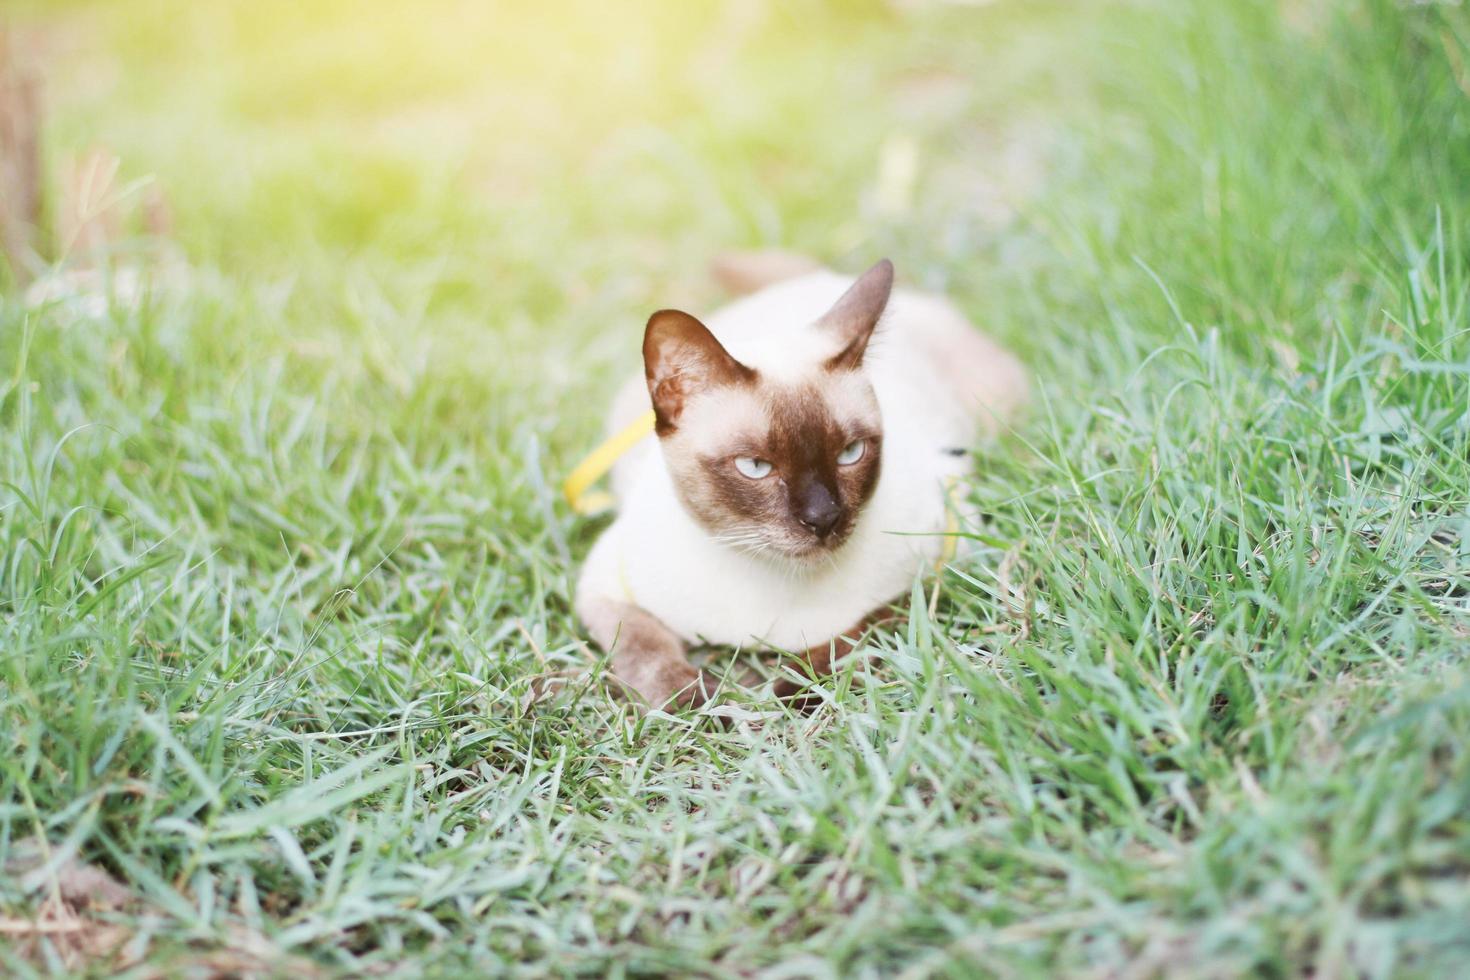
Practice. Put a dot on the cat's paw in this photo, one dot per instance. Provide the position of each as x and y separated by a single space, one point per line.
798 696
699 690
677 686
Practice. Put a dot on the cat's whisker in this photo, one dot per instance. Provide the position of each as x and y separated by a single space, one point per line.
745 538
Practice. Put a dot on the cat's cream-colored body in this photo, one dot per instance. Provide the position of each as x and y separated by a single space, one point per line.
939 385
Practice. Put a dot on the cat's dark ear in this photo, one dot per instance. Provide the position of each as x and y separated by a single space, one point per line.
853 317
680 359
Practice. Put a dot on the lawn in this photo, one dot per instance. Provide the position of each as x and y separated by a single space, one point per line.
289 681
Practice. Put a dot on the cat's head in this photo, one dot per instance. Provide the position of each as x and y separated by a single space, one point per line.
777 461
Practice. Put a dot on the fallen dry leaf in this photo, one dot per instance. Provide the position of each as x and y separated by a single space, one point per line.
70 918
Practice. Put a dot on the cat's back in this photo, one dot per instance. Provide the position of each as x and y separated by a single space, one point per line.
936 376
781 311
925 348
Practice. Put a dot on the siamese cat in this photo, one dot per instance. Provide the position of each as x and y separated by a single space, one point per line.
797 478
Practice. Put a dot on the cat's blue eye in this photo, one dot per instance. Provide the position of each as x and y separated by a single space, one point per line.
852 452
751 467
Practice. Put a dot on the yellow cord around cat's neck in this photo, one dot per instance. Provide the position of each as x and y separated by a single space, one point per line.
578 486
584 500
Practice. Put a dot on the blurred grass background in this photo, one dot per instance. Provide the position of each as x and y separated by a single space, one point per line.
281 564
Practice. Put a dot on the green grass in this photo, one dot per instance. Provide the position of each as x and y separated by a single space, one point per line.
280 561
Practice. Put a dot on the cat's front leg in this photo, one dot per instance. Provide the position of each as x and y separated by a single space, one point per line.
646 655
817 661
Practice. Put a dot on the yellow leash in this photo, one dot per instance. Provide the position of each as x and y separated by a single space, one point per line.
579 482
951 527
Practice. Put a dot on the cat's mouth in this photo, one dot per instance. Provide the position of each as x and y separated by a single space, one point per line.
786 546
805 547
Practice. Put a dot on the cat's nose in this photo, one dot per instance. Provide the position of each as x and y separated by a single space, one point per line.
818 512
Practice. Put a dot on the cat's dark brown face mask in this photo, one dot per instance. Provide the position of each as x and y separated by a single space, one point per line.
778 467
